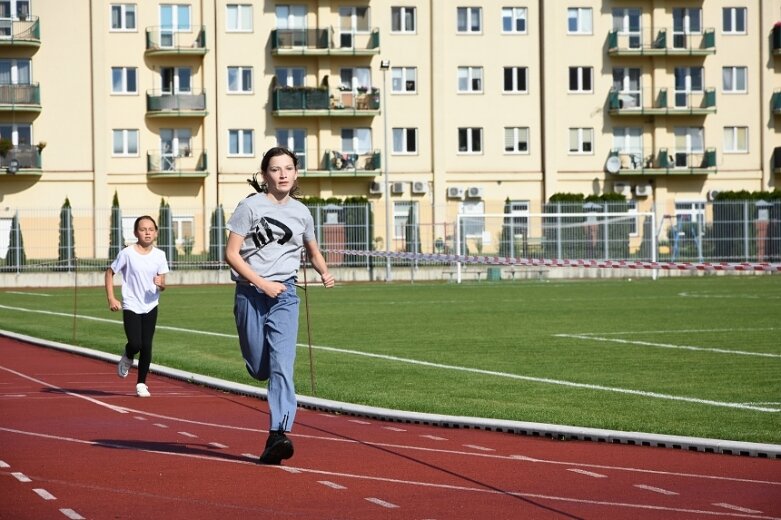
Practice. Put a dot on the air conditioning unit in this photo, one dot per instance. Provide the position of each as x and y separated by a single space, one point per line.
454 192
419 187
397 188
375 188
620 187
712 194
474 192
642 190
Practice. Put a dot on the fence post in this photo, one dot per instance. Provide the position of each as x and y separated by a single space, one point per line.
745 231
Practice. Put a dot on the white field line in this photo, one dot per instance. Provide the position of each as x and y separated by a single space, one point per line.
668 345
543 380
420 484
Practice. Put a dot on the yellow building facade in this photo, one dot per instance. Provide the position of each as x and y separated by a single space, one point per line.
453 106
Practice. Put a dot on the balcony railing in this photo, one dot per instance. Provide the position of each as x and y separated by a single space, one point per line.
777 159
777 39
650 162
664 42
643 102
314 42
185 163
25 31
160 104
167 40
352 164
319 102
20 97
28 159
776 102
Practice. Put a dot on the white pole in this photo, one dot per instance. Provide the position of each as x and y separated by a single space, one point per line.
385 65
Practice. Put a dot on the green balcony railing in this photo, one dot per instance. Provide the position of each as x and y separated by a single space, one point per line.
168 40
777 39
20 96
648 161
184 163
644 102
321 101
776 102
646 42
26 31
181 104
27 157
324 41
338 162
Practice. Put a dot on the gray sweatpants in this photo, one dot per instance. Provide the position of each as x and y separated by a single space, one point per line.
268 331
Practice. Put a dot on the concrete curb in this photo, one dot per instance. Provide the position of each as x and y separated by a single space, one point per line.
551 431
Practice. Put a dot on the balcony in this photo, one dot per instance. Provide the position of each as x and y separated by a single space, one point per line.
319 102
642 102
644 44
777 159
777 39
22 32
324 42
775 101
166 41
646 162
162 104
28 159
184 164
20 98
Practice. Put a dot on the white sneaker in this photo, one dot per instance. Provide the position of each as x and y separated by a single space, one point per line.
124 366
142 390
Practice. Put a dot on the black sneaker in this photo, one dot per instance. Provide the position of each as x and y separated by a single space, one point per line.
278 448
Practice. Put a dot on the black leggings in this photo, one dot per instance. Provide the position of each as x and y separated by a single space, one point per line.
139 329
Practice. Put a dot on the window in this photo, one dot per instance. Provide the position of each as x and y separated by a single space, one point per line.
125 143
516 139
688 81
689 147
294 139
734 80
240 80
734 20
628 143
470 79
514 20
519 209
291 25
15 9
123 80
579 20
356 140
15 72
626 22
580 79
174 143
176 80
472 226
238 17
626 81
183 232
240 142
19 134
690 212
353 78
174 18
123 17
581 140
352 21
405 140
402 210
290 76
515 79
470 140
404 79
468 19
686 21
735 139
403 19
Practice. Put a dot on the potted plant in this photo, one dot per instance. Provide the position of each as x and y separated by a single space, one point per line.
5 146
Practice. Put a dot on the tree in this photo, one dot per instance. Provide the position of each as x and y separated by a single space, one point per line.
166 238
217 238
67 247
116 240
15 258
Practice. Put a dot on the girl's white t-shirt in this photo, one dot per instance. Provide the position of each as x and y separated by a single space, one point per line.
139 292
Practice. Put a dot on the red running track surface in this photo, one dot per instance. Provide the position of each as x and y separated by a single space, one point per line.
75 442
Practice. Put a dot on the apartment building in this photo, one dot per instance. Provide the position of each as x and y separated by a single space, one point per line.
454 107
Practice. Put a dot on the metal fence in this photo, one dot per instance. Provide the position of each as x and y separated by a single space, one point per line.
724 231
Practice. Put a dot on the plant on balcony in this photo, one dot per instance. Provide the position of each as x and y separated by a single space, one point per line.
40 146
363 90
5 146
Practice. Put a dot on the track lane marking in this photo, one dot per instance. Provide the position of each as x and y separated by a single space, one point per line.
738 508
656 489
381 503
587 473
332 485
71 514
21 477
44 494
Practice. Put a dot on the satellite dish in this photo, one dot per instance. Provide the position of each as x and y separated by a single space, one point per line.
613 164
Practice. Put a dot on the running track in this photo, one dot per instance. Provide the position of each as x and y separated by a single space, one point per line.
76 443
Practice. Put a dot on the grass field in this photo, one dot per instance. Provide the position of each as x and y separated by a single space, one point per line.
696 356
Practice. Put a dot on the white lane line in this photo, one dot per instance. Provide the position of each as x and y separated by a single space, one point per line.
678 331
250 456
738 508
160 425
655 489
70 513
397 359
44 494
393 429
478 448
358 421
59 389
381 503
217 445
433 485
4 464
669 345
288 469
188 434
140 418
27 293
332 485
587 473
21 477
433 437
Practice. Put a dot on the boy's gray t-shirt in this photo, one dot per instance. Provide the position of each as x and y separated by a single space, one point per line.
273 235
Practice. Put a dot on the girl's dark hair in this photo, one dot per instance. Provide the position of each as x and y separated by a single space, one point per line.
143 217
261 187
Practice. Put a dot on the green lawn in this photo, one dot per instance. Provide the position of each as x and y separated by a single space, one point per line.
697 356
